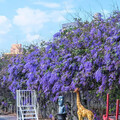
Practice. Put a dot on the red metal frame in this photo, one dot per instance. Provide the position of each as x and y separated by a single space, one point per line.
117 109
107 116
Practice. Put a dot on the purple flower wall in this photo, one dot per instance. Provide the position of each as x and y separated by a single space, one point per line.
88 56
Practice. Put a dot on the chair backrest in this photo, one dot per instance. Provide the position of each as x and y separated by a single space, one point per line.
107 116
26 98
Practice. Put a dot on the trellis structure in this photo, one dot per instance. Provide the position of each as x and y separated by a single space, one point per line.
26 105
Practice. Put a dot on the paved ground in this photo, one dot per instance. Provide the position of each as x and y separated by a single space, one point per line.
8 118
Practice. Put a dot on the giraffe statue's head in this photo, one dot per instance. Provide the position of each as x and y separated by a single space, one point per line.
76 90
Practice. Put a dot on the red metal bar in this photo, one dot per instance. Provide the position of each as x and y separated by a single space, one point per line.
117 109
107 107
107 116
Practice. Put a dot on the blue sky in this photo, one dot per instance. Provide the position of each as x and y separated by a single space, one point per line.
28 21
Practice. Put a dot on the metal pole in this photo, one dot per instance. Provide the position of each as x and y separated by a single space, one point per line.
107 107
17 103
117 109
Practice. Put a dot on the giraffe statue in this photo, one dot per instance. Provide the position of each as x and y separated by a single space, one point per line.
82 112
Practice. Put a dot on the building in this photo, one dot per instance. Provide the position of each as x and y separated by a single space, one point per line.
15 49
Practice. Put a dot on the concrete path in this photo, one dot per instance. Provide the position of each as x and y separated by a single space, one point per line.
3 117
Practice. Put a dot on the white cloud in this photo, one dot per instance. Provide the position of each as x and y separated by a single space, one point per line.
57 16
33 20
4 25
48 4
30 20
32 38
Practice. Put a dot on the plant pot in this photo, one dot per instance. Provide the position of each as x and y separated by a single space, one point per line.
61 116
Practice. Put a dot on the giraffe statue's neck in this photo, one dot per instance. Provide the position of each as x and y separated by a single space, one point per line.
78 99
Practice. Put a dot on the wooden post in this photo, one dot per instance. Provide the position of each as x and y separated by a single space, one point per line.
107 107
117 109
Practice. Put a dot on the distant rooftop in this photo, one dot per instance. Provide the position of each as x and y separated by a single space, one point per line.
69 25
96 16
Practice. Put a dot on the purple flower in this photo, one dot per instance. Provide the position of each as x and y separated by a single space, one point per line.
93 30
4 104
81 66
111 68
119 80
95 55
83 59
93 51
88 64
67 55
58 34
98 75
104 78
107 48
4 78
77 31
107 58
78 57
50 116
73 85
99 34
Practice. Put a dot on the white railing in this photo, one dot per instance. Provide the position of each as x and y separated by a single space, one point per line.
25 99
21 115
